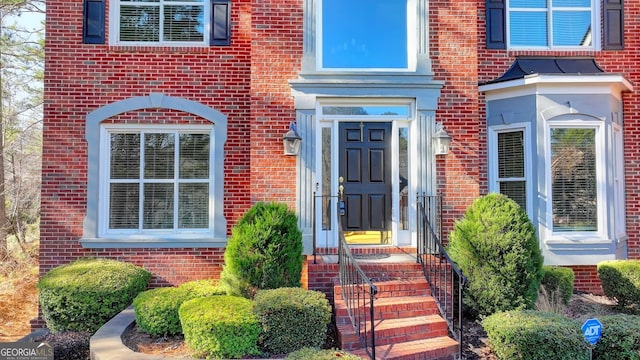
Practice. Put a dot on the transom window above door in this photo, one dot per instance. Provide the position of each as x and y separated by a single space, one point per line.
366 34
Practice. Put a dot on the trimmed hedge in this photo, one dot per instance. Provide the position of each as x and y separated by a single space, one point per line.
558 280
264 251
534 335
220 327
85 294
621 280
317 354
291 319
157 310
620 338
496 248
201 288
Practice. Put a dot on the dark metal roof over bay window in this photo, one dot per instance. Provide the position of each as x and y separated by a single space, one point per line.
524 66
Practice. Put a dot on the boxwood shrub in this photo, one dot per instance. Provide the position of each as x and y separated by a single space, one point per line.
220 327
558 280
85 294
292 318
202 288
620 338
317 354
534 335
496 247
621 280
157 310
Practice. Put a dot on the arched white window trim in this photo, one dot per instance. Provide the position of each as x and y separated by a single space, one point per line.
90 237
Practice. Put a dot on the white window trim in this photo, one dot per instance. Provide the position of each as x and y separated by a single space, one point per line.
114 27
104 198
494 184
93 123
617 135
412 42
596 23
600 235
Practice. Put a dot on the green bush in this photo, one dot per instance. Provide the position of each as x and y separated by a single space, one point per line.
620 338
264 251
85 294
496 247
292 318
558 280
220 326
317 354
534 335
621 280
157 310
201 288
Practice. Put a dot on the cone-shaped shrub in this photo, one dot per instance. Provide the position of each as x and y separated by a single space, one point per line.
263 252
496 247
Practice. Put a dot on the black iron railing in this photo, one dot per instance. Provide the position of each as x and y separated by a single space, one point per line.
357 291
445 279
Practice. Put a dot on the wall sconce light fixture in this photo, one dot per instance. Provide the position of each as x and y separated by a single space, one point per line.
441 142
291 141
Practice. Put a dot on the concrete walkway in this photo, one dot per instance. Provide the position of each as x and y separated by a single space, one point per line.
106 343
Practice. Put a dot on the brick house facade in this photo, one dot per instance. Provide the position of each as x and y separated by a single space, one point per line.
254 67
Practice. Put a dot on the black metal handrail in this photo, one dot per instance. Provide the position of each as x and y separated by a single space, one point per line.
357 289
445 279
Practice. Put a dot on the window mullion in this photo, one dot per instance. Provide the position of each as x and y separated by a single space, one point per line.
176 180
141 184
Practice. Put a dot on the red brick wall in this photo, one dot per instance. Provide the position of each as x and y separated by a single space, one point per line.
246 81
276 55
453 43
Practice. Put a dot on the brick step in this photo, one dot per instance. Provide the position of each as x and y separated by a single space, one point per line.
394 331
439 348
384 271
392 307
393 288
391 331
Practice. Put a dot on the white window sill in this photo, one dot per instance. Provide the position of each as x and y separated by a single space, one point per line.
156 243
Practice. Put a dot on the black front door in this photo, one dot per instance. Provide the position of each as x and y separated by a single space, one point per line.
365 168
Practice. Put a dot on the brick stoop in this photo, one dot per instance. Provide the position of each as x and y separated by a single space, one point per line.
408 324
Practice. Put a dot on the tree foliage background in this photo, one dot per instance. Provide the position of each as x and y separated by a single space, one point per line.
21 92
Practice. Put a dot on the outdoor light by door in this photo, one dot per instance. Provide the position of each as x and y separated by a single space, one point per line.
291 141
441 142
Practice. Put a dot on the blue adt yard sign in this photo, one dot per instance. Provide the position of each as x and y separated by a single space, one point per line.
592 330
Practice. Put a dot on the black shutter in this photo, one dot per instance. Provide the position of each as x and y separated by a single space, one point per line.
496 24
93 22
613 25
220 22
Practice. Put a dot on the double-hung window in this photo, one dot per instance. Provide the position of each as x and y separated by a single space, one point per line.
158 22
367 34
551 23
510 170
158 183
162 21
555 24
